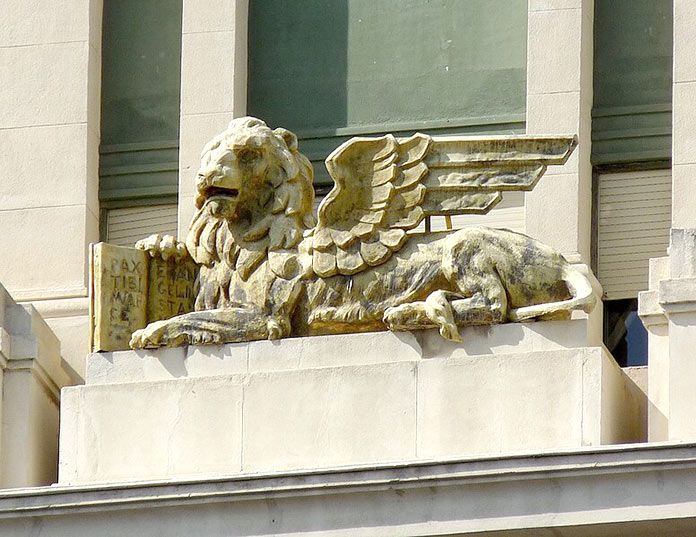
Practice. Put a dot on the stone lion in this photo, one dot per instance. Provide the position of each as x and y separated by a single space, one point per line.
270 269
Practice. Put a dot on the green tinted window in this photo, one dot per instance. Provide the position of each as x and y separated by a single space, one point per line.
329 69
632 112
141 68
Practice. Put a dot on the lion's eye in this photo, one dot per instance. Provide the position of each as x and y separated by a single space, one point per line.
248 156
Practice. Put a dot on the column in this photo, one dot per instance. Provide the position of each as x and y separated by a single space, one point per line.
559 101
50 65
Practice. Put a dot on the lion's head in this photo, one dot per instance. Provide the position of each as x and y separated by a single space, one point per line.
254 197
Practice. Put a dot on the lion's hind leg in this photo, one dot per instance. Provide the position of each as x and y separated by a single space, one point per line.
435 311
470 271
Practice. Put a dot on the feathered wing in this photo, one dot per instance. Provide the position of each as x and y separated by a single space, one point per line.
385 186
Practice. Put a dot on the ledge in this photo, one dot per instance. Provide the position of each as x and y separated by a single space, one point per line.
619 490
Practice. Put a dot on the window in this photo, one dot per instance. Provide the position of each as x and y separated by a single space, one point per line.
333 69
141 66
631 146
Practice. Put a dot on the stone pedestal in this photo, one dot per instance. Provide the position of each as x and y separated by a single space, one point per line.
328 401
31 374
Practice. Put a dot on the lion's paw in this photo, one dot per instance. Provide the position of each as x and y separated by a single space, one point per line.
157 334
278 328
205 337
164 246
147 338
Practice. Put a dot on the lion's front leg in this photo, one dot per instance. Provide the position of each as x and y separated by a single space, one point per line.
227 325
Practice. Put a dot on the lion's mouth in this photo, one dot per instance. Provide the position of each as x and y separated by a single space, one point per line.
217 192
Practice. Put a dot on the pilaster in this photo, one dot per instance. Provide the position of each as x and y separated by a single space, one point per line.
559 100
213 84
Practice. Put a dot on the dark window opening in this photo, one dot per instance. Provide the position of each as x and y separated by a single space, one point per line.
624 333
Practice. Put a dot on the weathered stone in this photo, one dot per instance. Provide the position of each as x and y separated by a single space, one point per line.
268 271
131 289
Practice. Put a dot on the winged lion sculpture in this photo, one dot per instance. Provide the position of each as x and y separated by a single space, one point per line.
270 269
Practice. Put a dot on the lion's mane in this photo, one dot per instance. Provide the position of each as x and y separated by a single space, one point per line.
272 229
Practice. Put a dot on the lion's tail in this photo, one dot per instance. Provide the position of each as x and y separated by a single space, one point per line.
580 289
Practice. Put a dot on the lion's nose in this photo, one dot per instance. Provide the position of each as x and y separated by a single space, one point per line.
203 178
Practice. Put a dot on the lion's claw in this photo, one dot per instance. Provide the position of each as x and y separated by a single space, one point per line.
277 328
166 247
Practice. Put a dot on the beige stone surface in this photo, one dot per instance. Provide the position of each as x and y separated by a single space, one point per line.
58 98
684 96
155 430
202 53
556 68
550 5
559 99
610 491
329 417
50 64
167 363
214 35
684 114
685 39
62 146
32 22
344 399
73 334
204 16
655 321
31 375
49 266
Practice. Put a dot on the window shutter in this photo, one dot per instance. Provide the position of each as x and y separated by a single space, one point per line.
126 226
633 226
508 214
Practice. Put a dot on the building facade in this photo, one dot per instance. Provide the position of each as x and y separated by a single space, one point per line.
107 106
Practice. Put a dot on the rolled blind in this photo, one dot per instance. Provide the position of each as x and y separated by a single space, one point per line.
634 221
126 226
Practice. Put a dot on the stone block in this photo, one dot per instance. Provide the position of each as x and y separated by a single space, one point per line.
202 54
553 39
355 349
329 417
683 136
685 41
548 5
204 16
151 430
73 333
560 224
355 399
523 402
31 374
34 22
61 183
168 363
52 243
186 211
554 112
47 84
683 211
